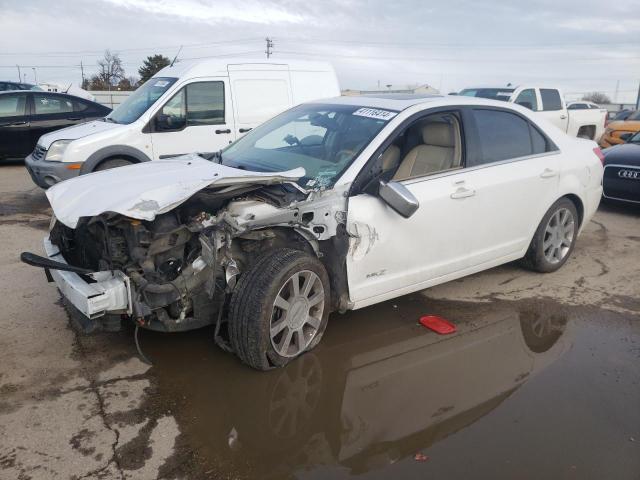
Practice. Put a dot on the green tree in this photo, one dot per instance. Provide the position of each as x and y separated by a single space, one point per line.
152 65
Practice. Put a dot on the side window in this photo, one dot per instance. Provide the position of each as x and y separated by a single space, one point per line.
79 106
50 104
577 106
13 105
527 98
503 135
550 99
430 145
538 141
205 103
173 115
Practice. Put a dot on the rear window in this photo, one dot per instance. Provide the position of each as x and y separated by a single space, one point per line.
503 94
504 135
550 99
13 105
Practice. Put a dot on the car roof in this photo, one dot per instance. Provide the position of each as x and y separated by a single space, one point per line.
399 102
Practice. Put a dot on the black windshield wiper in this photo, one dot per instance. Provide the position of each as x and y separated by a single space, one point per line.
108 119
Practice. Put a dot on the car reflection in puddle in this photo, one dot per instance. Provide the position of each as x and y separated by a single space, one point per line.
378 389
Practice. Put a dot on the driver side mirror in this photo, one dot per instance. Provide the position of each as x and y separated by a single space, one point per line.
398 197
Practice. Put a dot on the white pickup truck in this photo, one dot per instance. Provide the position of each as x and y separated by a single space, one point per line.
549 103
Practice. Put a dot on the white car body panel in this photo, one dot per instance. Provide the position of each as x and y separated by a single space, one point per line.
144 192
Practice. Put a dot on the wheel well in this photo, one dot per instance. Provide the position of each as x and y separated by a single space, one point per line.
128 158
588 130
578 204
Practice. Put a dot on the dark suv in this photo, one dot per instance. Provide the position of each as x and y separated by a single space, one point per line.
4 86
25 115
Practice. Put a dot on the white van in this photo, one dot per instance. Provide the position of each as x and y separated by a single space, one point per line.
188 107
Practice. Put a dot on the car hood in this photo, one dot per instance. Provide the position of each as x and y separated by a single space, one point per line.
148 189
627 125
624 154
76 131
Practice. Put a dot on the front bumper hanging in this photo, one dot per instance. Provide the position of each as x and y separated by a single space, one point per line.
92 293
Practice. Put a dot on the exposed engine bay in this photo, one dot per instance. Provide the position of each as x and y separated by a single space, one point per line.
184 263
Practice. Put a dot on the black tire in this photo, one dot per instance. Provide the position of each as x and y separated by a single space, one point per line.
535 258
252 306
112 163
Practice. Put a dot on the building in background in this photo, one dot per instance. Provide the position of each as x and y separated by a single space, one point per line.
424 89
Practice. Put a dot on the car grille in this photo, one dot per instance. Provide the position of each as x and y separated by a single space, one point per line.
622 182
39 152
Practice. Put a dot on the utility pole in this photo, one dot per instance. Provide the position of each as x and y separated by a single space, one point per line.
35 75
615 94
82 74
19 74
638 97
269 47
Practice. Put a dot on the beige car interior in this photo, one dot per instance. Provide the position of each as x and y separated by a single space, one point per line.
439 149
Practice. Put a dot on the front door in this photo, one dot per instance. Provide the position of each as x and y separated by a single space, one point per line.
51 112
198 118
14 126
553 108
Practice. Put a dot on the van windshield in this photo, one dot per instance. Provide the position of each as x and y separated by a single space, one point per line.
323 139
139 101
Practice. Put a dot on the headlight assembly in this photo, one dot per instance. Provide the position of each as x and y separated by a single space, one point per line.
56 150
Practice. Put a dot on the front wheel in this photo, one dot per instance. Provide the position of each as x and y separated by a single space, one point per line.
554 239
279 309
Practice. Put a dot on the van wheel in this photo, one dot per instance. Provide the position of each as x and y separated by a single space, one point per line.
279 309
554 239
112 163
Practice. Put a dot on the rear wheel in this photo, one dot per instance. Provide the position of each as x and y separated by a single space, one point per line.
554 239
112 163
279 309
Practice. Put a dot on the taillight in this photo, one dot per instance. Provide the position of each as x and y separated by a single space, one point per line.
600 155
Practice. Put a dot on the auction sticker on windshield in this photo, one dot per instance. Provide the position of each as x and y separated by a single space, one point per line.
375 113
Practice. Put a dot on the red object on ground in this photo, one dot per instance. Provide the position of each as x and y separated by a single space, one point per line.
438 324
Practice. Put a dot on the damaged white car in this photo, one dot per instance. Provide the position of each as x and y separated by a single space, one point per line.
330 206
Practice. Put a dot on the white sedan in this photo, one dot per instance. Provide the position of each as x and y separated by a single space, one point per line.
332 205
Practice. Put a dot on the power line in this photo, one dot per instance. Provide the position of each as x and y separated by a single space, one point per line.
449 59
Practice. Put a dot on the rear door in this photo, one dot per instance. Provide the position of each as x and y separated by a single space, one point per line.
51 112
259 92
14 125
553 108
514 172
198 118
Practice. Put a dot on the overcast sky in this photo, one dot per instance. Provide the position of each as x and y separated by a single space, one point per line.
578 45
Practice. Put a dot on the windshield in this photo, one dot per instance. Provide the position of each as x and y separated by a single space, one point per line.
503 94
323 139
139 101
635 138
634 116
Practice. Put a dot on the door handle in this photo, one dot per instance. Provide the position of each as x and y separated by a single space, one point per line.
462 192
549 173
244 130
74 119
563 116
223 131
16 124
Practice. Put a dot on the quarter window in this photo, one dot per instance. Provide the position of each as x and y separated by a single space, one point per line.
527 98
504 135
550 99
49 105
13 105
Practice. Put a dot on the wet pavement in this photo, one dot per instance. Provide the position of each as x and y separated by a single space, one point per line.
522 390
541 380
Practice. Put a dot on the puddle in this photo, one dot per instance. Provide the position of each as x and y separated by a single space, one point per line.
522 390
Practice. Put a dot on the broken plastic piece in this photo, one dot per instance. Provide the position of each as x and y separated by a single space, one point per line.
438 324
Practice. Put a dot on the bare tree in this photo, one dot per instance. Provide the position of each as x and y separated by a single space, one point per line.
110 72
596 97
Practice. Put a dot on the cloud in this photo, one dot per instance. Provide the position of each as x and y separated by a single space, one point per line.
245 11
591 24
